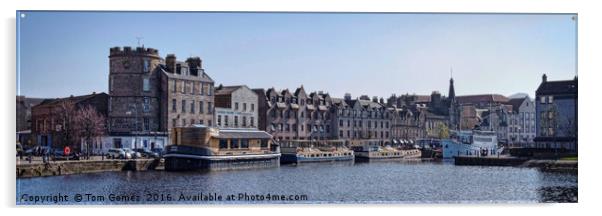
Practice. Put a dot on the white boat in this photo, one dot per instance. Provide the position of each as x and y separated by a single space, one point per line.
470 143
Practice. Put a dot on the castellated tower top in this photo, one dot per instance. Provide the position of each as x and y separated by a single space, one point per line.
139 51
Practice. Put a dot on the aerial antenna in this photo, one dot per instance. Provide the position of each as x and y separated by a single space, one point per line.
451 72
139 39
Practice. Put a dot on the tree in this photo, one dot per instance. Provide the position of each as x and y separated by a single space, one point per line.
89 123
443 131
65 127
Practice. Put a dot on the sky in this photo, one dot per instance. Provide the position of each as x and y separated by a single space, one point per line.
375 54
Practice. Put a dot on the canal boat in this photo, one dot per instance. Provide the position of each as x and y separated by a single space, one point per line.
307 151
205 148
470 143
367 150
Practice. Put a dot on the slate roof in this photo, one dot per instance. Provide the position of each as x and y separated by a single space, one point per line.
516 102
473 99
227 90
557 87
74 99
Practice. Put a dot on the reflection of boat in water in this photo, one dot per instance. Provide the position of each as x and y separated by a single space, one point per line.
366 150
201 147
470 143
305 151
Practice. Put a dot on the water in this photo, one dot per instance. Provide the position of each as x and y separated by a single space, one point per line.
380 182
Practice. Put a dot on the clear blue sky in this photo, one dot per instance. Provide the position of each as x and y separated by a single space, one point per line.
64 53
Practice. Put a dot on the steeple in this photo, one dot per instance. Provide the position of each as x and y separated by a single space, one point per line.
452 92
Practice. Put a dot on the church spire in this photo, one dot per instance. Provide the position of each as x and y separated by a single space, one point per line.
452 92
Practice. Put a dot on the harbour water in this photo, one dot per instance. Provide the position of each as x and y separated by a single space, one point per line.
379 182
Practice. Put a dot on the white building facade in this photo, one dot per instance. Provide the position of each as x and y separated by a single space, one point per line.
521 124
236 107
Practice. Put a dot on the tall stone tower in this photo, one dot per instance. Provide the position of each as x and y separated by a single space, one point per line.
134 102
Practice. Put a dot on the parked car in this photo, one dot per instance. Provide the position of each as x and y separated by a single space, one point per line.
116 153
146 153
59 154
132 153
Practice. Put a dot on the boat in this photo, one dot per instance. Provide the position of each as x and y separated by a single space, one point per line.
307 151
367 150
470 143
200 147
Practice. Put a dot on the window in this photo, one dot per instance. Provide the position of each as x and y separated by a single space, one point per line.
201 121
244 106
146 84
209 90
236 106
146 65
202 89
550 99
236 121
182 86
244 143
543 99
192 107
146 104
183 106
223 143
244 121
252 107
264 143
174 84
173 123
252 122
209 108
183 122
209 122
146 124
201 108
173 105
234 143
226 121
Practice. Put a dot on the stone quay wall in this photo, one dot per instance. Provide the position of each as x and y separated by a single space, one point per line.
26 170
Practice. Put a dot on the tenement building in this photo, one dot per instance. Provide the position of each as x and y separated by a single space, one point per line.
187 93
50 124
150 95
361 119
556 114
296 115
236 107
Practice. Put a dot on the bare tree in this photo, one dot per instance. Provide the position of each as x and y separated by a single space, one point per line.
90 124
66 127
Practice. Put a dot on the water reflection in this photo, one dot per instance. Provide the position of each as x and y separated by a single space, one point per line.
380 182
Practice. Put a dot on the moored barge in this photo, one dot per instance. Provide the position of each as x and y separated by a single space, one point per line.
305 151
206 148
368 150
